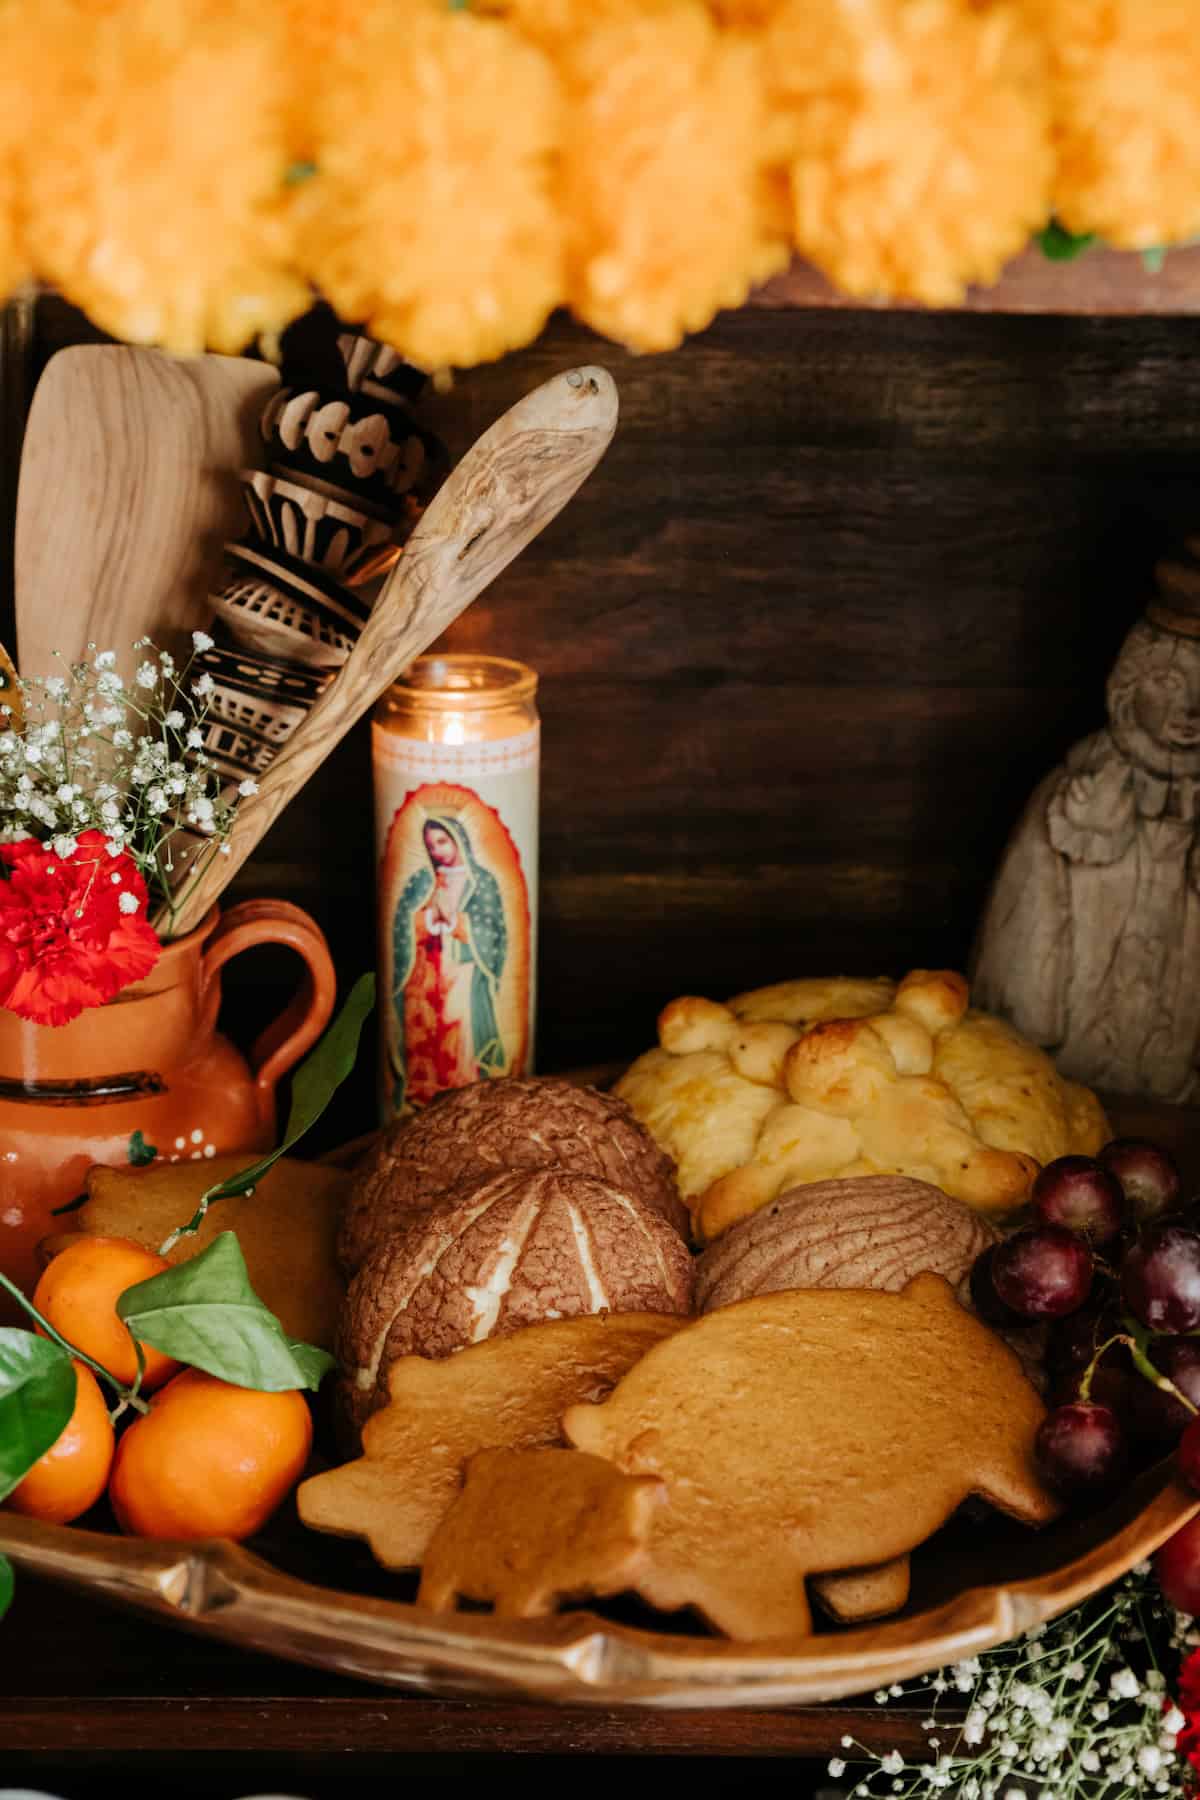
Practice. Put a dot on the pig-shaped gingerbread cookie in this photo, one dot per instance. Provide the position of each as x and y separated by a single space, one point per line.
810 1432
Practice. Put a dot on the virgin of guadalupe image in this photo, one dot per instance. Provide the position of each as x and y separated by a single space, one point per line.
450 944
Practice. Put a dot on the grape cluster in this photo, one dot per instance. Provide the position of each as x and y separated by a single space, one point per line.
1112 1266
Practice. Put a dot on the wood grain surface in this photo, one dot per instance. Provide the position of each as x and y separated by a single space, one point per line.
506 489
844 587
128 487
1097 282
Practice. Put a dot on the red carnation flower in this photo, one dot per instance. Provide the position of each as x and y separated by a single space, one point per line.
73 929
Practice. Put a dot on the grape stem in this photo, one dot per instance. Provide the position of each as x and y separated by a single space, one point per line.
1138 1338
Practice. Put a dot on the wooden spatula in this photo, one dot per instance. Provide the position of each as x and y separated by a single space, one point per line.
128 488
516 478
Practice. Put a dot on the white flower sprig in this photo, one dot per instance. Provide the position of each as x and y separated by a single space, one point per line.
1076 1709
125 759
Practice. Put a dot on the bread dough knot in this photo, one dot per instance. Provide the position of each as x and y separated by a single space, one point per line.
814 1079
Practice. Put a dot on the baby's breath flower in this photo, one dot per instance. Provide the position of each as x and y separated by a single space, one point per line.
246 789
202 686
201 641
128 902
90 757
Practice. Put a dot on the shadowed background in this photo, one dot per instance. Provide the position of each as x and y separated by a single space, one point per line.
844 587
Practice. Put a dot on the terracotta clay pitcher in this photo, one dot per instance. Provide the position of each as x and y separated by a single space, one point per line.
151 1062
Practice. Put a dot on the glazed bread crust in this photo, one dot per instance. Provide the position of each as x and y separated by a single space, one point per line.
810 1080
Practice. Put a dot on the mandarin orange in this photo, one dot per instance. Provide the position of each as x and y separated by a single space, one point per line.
71 1476
78 1294
209 1459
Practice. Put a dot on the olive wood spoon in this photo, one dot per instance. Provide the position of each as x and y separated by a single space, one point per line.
512 482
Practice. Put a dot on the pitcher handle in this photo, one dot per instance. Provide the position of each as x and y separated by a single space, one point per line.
280 1047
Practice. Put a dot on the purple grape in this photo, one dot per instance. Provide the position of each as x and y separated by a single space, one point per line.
1080 1449
1160 1277
1179 1360
1076 1192
1075 1339
1148 1175
984 1298
1043 1272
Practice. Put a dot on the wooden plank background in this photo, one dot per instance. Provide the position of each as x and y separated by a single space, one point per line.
846 584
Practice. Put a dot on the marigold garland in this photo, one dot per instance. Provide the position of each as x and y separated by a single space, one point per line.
430 216
449 171
921 156
152 191
1126 93
663 176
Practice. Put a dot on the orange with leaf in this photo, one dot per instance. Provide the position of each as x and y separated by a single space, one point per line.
71 1476
78 1296
209 1459
222 1443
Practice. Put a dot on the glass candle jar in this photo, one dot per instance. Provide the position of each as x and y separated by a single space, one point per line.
455 746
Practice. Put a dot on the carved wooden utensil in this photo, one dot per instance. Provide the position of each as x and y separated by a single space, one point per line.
512 482
128 487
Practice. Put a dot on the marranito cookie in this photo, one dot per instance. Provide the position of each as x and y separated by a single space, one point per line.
534 1529
814 1433
508 1392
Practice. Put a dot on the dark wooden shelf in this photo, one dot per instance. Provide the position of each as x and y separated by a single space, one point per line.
82 1678
1098 281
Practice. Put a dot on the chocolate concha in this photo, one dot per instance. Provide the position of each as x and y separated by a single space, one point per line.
511 1250
514 1123
869 1231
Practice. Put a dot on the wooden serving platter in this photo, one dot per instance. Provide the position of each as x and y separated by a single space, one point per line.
318 1601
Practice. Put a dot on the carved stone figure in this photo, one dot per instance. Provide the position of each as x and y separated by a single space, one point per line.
1090 940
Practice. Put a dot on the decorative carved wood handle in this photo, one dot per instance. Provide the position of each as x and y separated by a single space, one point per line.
516 478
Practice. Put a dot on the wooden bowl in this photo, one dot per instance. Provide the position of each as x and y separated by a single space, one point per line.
318 1600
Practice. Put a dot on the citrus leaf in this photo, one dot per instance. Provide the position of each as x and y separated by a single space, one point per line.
6 1585
316 1363
37 1397
313 1087
206 1313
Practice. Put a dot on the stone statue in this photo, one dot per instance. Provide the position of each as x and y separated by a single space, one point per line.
1090 940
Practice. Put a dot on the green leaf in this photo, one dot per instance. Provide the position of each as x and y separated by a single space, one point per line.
205 1312
140 1152
37 1397
315 1362
313 1087
6 1585
1061 245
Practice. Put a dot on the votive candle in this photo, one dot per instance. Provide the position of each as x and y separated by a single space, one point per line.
456 753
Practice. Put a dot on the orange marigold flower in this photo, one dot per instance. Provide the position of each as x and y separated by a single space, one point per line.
431 215
154 183
1125 81
664 191
919 137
